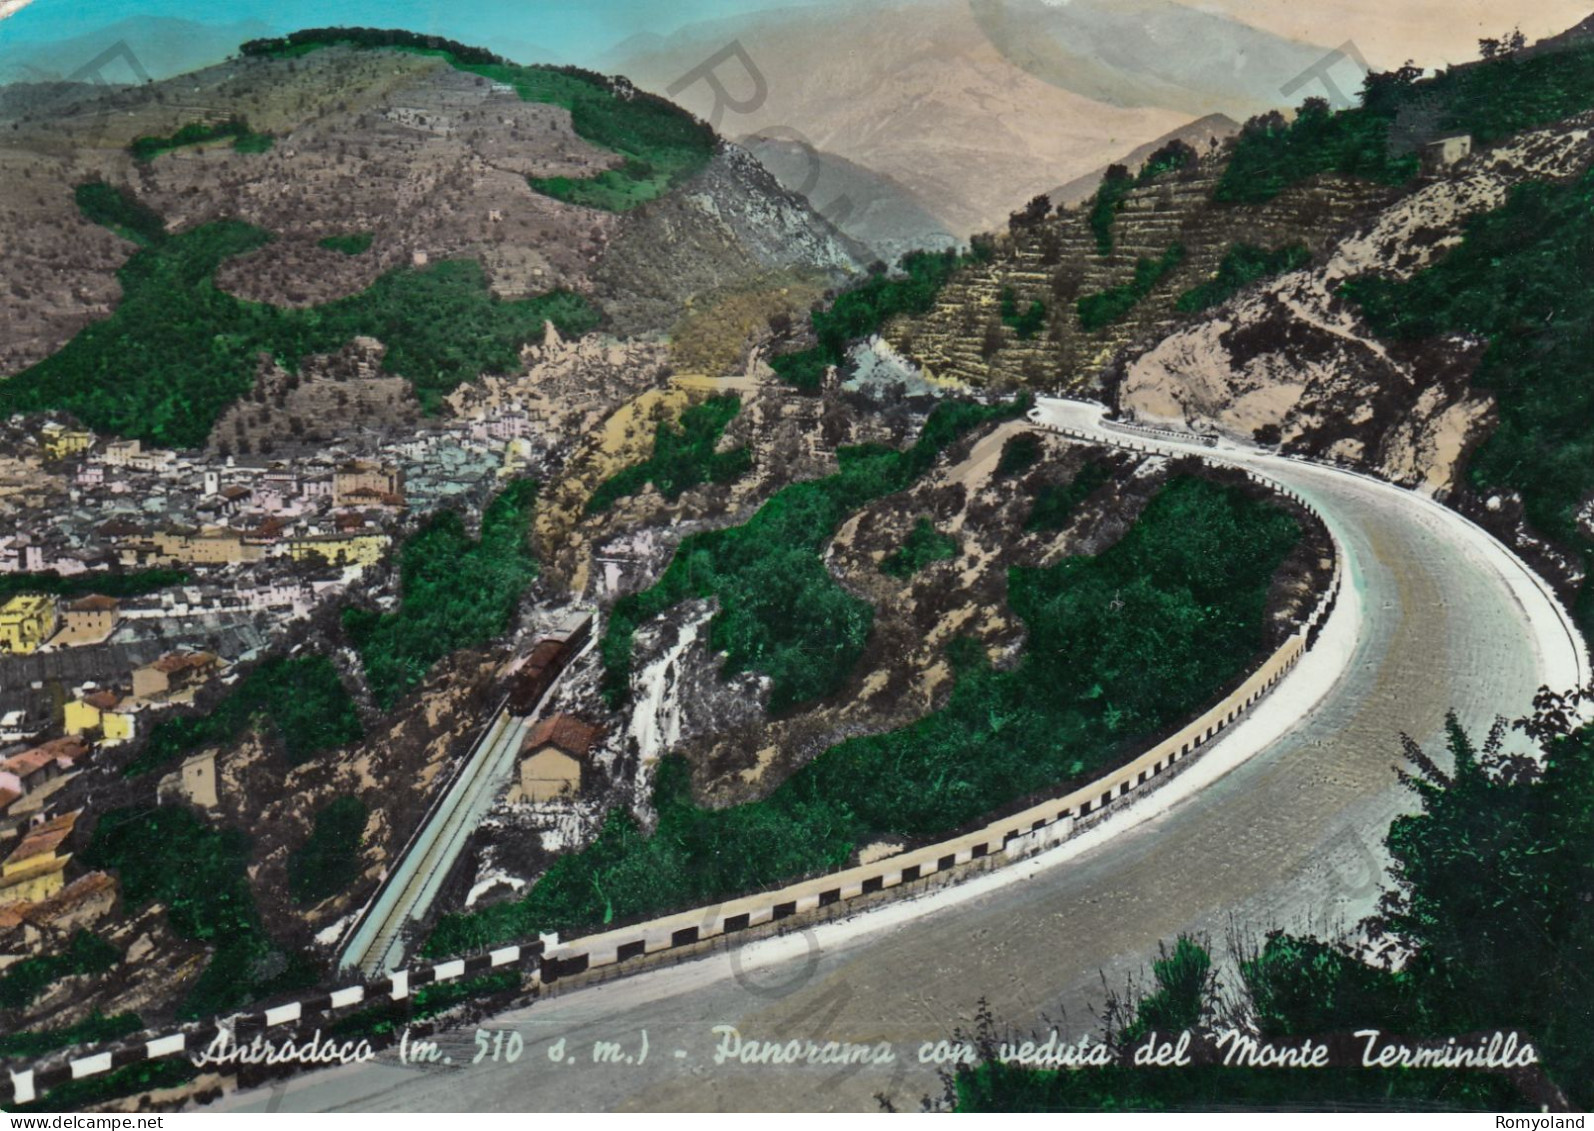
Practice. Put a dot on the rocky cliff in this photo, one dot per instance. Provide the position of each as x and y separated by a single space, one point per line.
1294 362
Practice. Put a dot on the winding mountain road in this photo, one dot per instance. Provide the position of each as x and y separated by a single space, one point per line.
1279 824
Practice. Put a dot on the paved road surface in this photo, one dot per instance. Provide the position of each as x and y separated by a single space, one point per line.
1287 838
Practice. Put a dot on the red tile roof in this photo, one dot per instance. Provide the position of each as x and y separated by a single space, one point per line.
31 761
93 603
46 838
270 527
567 732
178 661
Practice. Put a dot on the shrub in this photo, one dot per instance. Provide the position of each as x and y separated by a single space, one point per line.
1100 310
1055 506
661 144
1104 206
455 593
1519 281
300 700
1270 155
245 140
25 980
113 583
1019 454
683 456
1489 100
781 613
923 545
329 860
1243 265
95 1029
168 854
355 243
865 308
1027 324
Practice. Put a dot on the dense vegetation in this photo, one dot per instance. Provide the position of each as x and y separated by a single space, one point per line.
92 1030
1519 281
1243 265
1186 997
1490 901
455 593
329 860
120 211
923 545
354 243
1120 646
177 351
85 953
299 700
1104 206
1019 454
1055 504
1489 100
1027 323
1272 154
1100 310
683 456
244 139
199 874
1171 158
660 144
864 309
305 40
780 612
115 583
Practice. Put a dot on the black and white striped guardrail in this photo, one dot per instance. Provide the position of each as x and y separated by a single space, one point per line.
28 1086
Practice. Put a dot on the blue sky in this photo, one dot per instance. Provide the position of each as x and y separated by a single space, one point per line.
519 28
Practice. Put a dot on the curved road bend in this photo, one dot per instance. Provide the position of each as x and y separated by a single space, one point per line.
1288 837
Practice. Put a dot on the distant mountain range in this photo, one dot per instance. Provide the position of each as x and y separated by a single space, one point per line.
969 106
155 48
931 117
1200 135
1147 53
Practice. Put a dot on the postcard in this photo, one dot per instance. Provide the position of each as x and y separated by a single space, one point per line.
848 556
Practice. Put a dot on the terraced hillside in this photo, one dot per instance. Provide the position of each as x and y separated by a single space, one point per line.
1058 261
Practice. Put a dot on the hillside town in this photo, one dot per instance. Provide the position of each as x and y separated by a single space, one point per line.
216 561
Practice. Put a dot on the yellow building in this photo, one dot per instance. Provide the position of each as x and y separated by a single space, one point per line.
517 457
60 441
26 621
359 548
98 714
36 868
